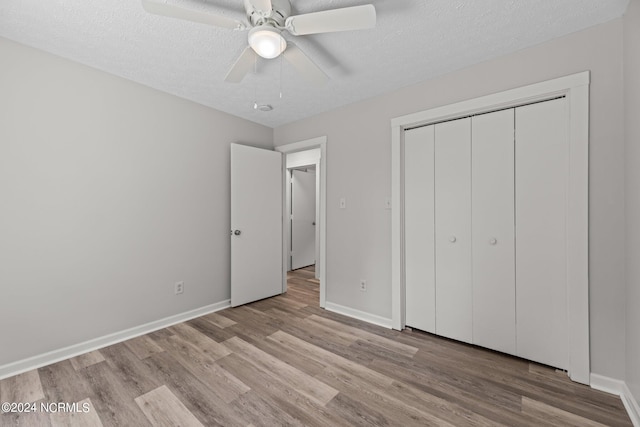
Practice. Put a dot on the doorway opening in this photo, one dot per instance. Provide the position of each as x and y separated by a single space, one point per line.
304 231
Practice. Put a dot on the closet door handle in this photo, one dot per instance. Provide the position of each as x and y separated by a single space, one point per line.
493 241
452 239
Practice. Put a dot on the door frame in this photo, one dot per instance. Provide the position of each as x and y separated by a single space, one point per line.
321 171
575 88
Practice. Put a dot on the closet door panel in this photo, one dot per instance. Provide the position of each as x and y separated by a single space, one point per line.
420 304
493 265
541 154
453 229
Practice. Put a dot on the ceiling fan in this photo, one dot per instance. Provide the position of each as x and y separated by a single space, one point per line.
267 20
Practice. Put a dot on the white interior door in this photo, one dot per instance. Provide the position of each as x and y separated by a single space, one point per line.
493 251
419 240
256 224
303 220
541 155
453 229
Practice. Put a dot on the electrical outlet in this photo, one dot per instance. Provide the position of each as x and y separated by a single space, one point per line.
179 287
363 285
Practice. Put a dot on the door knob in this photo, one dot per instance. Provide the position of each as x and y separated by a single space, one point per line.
493 241
452 239
237 232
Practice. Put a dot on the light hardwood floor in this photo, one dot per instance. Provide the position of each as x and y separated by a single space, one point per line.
285 361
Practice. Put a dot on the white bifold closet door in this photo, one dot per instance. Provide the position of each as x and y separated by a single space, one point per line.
494 287
485 217
419 220
453 229
541 158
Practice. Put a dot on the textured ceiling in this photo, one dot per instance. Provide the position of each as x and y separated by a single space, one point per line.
414 40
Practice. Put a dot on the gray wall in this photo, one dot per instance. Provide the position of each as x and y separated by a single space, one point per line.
632 128
358 241
110 192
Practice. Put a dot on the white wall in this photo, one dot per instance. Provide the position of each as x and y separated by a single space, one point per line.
110 192
632 128
358 150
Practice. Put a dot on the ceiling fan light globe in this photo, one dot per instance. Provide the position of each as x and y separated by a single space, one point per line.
267 41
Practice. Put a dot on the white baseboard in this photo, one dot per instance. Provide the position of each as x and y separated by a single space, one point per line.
606 384
620 388
631 405
54 356
357 314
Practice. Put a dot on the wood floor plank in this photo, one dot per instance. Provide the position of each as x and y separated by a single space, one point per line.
555 415
303 292
302 382
299 361
371 397
281 393
224 385
25 388
359 334
199 340
251 322
299 296
163 409
90 418
143 346
212 331
218 320
111 397
129 369
327 358
62 383
87 359
197 396
262 412
160 334
281 303
318 335
286 315
453 413
354 413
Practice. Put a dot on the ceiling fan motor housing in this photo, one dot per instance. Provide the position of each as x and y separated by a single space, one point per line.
281 10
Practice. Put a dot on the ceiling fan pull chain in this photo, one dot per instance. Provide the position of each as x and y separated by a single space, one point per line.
280 77
255 87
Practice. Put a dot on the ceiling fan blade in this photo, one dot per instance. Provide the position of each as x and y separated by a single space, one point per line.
165 9
264 6
348 18
304 65
242 66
